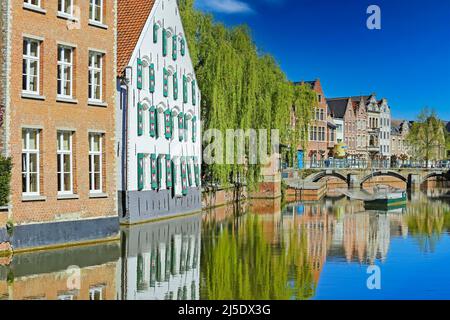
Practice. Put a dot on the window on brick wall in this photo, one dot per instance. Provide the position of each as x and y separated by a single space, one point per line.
95 162
65 162
65 7
96 10
36 3
65 71
95 76
96 293
31 66
30 161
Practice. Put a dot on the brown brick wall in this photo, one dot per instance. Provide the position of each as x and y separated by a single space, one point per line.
51 115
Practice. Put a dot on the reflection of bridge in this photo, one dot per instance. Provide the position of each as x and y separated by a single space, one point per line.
357 177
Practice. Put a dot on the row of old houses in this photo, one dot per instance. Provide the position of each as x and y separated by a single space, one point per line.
359 129
100 114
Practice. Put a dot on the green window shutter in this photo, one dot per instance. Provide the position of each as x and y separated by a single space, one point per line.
174 47
168 124
140 168
180 126
196 172
139 74
194 98
140 121
189 173
186 127
165 83
184 177
185 89
155 32
153 122
175 86
152 78
159 170
169 182
194 129
174 174
164 42
153 168
183 46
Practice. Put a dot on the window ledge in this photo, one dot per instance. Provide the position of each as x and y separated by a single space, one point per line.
30 7
66 100
68 197
97 24
5 208
97 103
33 96
66 16
98 195
33 198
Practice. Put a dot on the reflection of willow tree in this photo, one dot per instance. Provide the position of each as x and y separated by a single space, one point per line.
239 263
427 221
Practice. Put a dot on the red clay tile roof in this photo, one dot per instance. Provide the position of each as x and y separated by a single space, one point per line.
131 18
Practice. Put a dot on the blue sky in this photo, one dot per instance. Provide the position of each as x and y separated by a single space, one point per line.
407 61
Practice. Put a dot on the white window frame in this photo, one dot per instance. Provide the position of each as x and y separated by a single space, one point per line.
29 3
60 157
28 152
92 155
29 59
91 75
92 6
62 64
93 291
63 5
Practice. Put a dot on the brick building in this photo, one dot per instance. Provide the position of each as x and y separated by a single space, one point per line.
399 146
322 130
343 111
367 126
58 97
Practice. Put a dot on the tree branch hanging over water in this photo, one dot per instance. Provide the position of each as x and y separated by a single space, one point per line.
242 89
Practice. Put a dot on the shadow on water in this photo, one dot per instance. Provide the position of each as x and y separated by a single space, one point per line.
252 250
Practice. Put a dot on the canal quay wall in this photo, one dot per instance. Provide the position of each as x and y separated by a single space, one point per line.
213 198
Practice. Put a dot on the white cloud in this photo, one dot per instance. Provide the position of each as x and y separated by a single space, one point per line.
225 6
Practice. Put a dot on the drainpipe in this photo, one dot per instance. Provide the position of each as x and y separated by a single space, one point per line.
125 125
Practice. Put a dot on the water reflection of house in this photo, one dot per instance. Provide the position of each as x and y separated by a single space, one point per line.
161 261
315 221
84 273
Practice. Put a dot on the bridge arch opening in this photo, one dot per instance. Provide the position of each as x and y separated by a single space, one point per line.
324 174
435 179
380 177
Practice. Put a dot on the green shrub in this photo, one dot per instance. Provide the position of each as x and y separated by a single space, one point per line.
5 179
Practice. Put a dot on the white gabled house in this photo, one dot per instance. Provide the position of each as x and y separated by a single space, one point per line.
158 122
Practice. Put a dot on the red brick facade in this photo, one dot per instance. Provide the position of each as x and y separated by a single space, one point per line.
49 114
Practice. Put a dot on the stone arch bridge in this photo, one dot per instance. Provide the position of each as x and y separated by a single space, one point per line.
355 178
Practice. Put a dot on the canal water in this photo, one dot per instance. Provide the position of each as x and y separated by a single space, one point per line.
333 249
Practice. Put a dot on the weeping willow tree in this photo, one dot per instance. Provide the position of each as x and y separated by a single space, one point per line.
242 90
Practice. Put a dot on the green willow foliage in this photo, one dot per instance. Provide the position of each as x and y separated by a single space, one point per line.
231 257
242 89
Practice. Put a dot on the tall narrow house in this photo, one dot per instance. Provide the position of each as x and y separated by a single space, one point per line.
158 107
57 120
